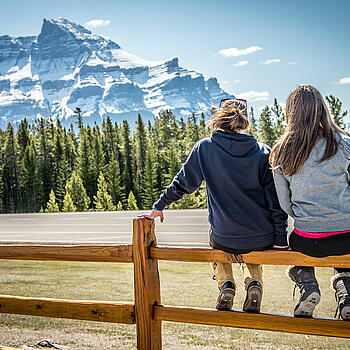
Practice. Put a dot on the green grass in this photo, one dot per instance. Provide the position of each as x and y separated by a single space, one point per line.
187 284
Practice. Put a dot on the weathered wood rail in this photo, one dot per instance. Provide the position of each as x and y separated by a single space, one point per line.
147 312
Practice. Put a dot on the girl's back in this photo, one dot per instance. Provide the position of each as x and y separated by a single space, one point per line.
320 192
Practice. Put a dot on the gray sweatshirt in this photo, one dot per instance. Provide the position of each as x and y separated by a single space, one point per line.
318 196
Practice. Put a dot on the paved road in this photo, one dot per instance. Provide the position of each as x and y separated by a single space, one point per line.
180 227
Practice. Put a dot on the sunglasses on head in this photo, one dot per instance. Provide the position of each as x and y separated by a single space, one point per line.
233 99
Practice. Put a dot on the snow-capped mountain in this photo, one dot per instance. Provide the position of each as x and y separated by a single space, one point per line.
66 66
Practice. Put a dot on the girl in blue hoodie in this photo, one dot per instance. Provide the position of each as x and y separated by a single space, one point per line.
244 212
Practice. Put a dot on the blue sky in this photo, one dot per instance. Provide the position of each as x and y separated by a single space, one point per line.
275 45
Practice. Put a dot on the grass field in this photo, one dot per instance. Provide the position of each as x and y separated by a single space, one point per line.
187 284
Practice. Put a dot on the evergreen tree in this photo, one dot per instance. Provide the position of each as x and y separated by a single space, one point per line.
110 141
266 129
45 162
29 184
114 182
140 141
68 205
192 129
335 109
51 206
132 205
280 117
203 131
77 192
173 163
103 200
85 162
119 206
79 114
253 129
23 138
127 158
97 152
150 192
10 172
62 178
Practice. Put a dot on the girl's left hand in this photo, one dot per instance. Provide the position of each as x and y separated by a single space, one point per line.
154 214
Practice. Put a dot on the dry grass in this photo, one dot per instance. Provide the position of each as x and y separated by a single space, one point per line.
187 284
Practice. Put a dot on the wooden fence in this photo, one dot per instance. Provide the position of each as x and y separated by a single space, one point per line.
147 312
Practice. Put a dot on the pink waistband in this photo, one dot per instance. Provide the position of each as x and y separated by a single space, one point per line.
317 234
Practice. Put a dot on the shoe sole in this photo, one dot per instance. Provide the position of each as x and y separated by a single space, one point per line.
253 300
306 307
345 313
225 299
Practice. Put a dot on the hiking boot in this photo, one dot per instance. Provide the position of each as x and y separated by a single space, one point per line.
304 278
341 286
253 299
225 298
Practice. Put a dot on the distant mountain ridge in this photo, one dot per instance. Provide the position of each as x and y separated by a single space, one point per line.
66 66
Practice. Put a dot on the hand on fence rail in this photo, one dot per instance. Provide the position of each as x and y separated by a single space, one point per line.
154 214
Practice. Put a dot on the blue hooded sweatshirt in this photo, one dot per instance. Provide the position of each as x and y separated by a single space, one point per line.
244 212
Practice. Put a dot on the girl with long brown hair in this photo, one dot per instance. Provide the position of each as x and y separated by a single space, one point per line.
311 165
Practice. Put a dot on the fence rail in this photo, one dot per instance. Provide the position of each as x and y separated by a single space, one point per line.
102 311
86 253
147 311
267 257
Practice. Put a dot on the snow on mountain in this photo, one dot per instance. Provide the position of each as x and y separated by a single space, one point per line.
66 66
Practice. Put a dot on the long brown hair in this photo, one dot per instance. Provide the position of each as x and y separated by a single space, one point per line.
308 120
231 116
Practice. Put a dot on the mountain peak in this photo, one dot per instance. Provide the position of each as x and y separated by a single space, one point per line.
64 25
70 38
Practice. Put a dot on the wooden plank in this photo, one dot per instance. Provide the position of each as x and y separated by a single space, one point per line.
103 311
267 322
146 286
267 257
88 253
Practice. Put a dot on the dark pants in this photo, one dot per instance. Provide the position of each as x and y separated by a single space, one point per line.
322 247
215 245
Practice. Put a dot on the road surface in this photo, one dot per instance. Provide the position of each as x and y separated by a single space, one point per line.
180 227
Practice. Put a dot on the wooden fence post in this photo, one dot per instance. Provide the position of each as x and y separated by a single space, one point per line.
147 286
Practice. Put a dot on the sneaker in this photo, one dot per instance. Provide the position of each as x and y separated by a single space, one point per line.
225 298
253 299
307 304
342 295
345 312
310 295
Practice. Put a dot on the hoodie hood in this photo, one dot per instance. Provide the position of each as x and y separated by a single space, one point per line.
236 144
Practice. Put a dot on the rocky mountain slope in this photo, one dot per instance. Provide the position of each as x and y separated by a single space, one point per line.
66 66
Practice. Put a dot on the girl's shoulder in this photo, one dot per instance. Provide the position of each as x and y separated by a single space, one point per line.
344 143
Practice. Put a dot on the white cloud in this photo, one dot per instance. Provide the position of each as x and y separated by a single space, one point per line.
253 96
97 23
234 52
236 81
343 81
292 62
225 81
269 61
240 63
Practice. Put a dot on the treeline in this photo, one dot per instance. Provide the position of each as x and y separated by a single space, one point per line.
46 167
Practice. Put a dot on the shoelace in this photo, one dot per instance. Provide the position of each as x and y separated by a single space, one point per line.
295 287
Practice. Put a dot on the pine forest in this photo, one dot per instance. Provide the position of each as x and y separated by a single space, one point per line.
45 167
